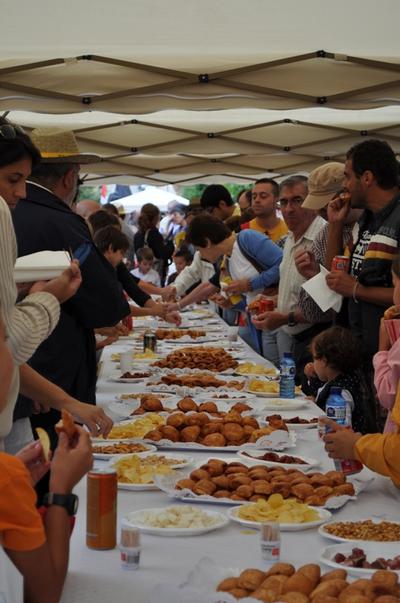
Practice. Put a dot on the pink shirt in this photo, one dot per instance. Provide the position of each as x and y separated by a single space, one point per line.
387 376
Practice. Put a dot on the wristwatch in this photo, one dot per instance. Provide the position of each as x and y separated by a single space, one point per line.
292 322
68 501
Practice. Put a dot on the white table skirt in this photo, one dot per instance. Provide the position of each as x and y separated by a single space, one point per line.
96 576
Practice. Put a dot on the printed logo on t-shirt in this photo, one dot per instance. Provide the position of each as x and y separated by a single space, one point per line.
359 252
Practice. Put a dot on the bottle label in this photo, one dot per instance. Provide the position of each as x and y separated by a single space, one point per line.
288 371
270 551
337 413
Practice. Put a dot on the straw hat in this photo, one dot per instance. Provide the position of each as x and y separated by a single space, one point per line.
323 183
59 146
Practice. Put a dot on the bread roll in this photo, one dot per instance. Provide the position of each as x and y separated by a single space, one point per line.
294 598
331 588
228 584
285 569
339 574
251 579
299 583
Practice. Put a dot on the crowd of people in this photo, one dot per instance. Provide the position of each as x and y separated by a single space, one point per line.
267 244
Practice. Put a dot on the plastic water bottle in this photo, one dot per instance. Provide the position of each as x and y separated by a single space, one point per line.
338 409
287 377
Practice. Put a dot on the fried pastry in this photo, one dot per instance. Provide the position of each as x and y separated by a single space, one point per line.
215 440
228 584
251 579
286 569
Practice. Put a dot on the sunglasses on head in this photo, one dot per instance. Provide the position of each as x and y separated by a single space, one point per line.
10 132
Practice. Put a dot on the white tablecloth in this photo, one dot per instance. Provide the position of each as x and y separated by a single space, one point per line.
96 576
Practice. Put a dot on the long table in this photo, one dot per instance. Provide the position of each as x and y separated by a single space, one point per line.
97 576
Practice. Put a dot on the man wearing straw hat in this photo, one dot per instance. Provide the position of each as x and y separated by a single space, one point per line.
45 221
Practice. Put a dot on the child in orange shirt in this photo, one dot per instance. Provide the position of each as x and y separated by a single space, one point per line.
39 552
379 452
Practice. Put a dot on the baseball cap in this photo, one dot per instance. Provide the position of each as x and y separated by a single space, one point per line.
323 183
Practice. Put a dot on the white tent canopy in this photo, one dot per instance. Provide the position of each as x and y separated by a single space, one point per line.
151 194
176 91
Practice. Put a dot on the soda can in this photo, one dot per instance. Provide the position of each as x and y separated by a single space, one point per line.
345 466
101 510
265 305
341 263
348 466
128 323
149 342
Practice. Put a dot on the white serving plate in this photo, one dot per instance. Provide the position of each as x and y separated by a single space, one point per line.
126 380
325 534
324 515
187 340
192 446
105 456
167 483
138 395
232 397
277 404
147 360
301 426
373 550
123 409
152 485
98 440
272 374
134 519
311 463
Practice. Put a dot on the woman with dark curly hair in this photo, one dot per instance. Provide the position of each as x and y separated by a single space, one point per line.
148 235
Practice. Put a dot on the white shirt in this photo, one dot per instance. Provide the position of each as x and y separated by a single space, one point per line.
290 281
240 267
198 270
151 276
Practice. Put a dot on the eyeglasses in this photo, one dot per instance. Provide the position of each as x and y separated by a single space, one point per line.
10 132
293 200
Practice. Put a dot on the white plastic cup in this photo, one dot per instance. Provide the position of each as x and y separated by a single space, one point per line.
126 361
233 333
